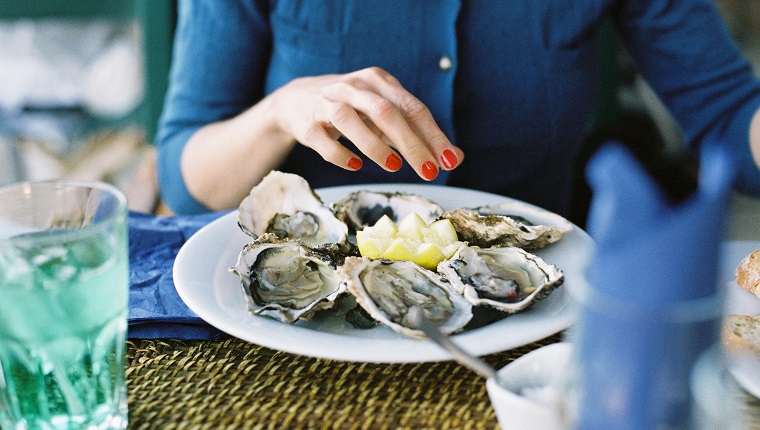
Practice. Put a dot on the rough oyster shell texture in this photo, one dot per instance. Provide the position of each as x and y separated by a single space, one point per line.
287 280
363 208
285 204
295 265
387 290
508 278
506 225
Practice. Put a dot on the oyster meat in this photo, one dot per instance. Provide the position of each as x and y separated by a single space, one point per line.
299 263
510 224
287 280
284 204
388 289
363 208
506 278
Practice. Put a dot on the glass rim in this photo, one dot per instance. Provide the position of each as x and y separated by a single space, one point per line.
679 312
62 183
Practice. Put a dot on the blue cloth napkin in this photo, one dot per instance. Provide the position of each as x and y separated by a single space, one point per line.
650 250
652 305
155 308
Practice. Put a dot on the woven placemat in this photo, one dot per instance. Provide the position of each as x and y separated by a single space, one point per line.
232 384
751 408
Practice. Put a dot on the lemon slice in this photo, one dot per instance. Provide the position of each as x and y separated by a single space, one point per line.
411 240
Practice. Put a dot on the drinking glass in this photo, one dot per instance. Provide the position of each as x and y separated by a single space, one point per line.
637 366
63 305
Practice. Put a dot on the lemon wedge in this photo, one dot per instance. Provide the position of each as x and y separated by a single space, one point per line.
412 240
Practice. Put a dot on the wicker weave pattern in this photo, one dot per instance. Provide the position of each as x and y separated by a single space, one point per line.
232 384
751 408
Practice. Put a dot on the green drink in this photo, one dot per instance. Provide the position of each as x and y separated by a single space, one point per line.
63 308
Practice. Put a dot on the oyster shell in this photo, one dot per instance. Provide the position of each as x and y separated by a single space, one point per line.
285 204
388 289
507 278
363 208
510 224
287 280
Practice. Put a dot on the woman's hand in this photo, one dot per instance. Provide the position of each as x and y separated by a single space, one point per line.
222 161
373 110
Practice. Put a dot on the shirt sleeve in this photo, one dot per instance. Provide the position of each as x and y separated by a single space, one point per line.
221 49
685 52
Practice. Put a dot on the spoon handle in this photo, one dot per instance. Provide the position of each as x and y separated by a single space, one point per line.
470 361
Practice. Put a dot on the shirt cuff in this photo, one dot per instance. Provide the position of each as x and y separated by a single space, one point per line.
170 181
737 136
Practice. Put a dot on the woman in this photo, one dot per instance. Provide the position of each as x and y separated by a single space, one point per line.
352 91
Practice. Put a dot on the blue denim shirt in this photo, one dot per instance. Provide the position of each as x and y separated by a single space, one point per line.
517 97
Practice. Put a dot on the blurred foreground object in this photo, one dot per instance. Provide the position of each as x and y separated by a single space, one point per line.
653 306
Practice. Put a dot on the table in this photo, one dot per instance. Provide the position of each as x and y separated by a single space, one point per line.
233 384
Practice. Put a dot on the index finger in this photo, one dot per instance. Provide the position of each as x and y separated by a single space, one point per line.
391 122
417 115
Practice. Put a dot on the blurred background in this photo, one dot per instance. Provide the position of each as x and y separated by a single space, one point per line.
82 85
743 19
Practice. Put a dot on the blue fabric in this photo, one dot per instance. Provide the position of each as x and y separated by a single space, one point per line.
155 308
653 305
517 99
672 249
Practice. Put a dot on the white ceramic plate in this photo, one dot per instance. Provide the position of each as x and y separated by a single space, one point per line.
745 369
203 281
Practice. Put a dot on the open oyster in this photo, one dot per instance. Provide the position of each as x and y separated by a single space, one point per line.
285 204
510 224
363 208
507 278
287 280
388 289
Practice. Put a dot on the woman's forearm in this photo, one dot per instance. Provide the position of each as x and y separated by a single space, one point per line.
223 161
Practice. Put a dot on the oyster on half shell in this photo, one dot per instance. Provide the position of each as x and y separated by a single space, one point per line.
287 280
364 208
507 278
388 289
284 204
509 224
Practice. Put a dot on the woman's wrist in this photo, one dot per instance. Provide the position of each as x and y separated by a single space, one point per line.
224 160
268 115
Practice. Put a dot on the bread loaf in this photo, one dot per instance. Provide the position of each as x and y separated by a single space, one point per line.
741 333
747 273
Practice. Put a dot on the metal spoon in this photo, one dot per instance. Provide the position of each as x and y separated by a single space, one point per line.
419 320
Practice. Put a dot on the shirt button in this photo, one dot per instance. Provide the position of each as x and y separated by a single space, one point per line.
444 63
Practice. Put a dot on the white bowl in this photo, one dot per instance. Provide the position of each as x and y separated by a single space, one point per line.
530 396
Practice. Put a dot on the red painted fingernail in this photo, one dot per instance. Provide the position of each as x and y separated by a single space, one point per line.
449 159
354 163
393 162
429 170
